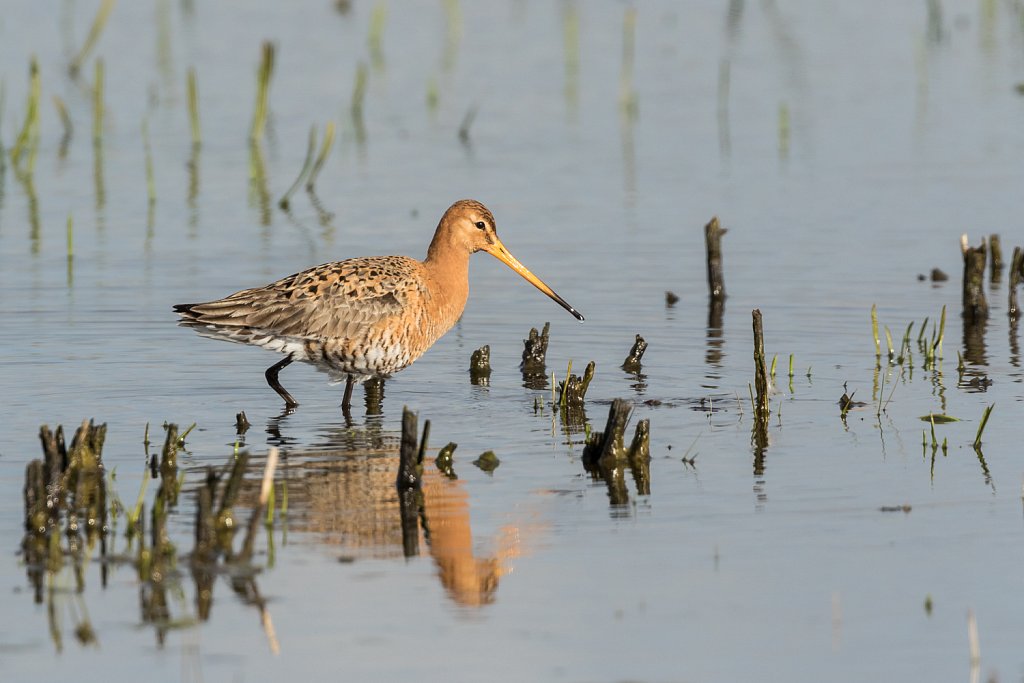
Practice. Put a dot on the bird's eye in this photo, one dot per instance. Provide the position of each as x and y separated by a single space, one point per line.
480 225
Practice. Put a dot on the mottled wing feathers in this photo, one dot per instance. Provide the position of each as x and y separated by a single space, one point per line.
331 301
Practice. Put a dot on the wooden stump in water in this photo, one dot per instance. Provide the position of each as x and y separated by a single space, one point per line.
975 308
713 246
535 351
573 390
1016 276
410 467
632 362
606 456
995 251
761 401
480 366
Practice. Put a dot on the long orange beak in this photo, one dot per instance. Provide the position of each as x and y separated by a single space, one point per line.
498 251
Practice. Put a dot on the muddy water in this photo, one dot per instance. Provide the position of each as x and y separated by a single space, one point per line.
846 149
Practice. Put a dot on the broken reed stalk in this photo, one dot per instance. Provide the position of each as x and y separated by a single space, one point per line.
636 353
97 104
995 250
98 22
1016 275
263 74
29 133
981 426
192 88
975 308
761 406
306 166
410 467
713 232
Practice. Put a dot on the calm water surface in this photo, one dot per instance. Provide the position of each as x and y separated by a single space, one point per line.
845 148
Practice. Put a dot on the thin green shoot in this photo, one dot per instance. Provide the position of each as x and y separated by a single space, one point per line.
378 21
181 439
937 347
981 427
775 359
874 331
894 385
271 504
888 342
263 74
148 155
905 345
325 149
30 128
71 238
920 333
136 512
433 94
97 104
98 22
881 391
564 399
359 90
306 166
193 107
65 120
931 421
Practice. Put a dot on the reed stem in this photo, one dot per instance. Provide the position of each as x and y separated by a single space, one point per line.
98 22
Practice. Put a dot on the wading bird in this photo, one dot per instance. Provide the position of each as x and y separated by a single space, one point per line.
363 317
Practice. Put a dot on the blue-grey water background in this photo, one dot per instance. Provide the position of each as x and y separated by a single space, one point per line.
846 147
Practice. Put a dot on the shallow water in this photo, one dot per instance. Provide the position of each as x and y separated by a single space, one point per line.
845 149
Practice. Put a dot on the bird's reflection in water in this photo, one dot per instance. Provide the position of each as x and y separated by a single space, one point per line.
341 492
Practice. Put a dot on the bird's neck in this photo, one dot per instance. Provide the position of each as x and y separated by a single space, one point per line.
449 275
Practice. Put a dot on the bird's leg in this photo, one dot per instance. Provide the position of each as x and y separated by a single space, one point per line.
276 386
346 402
